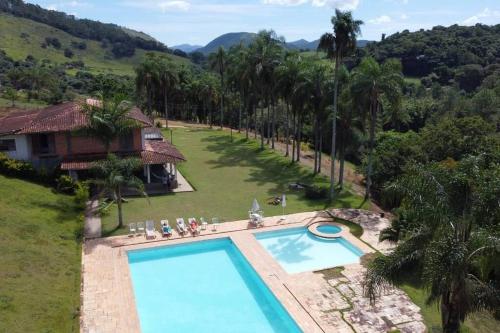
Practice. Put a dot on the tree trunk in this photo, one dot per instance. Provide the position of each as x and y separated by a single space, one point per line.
255 120
373 116
315 129
334 127
320 134
222 101
273 122
294 131
166 108
299 136
268 124
287 130
261 128
450 317
119 204
239 114
342 162
247 120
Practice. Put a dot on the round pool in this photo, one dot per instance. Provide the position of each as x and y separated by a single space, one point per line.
328 229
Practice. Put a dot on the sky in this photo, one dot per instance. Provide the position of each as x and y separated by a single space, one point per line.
176 22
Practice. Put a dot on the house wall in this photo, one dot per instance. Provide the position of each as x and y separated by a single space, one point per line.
70 144
23 147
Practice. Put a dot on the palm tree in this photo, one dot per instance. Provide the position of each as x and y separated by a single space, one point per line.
371 83
442 243
287 74
108 119
147 78
116 174
167 77
218 62
337 46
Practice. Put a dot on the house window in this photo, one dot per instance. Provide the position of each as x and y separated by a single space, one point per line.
127 142
8 145
44 144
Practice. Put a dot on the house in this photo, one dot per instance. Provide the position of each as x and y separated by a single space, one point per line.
51 138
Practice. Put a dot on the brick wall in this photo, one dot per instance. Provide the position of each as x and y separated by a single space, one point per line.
74 144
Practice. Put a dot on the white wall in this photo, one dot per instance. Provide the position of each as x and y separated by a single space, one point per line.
23 147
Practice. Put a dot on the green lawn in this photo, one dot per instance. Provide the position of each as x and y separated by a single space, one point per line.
40 259
227 176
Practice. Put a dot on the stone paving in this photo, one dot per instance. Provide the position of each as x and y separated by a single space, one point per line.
316 303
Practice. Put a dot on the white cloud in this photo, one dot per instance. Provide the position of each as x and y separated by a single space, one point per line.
480 17
174 5
68 4
164 6
404 16
381 20
340 4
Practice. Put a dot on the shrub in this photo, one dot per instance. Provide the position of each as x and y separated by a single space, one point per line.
14 168
82 194
66 184
316 192
68 53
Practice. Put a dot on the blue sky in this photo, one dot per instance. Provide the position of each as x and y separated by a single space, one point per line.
198 22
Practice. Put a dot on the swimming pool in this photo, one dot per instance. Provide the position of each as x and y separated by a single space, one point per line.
329 229
297 250
205 286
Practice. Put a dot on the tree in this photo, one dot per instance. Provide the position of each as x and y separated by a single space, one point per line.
115 174
371 83
108 119
337 46
147 78
10 94
441 241
167 79
218 62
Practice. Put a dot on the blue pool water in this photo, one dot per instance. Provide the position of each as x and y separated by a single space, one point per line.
329 229
205 286
297 250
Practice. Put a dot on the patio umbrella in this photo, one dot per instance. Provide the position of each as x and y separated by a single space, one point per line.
255 206
283 204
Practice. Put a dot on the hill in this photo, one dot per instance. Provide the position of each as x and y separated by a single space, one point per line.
234 38
188 48
227 40
21 37
441 50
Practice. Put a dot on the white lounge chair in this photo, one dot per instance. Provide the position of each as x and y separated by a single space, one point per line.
204 223
132 229
215 223
256 218
150 229
181 226
140 227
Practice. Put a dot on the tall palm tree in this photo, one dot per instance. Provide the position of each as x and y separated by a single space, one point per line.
115 174
146 79
442 243
218 62
371 83
337 46
287 74
167 79
108 119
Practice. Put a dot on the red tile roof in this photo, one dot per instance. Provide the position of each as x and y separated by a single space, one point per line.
57 118
156 152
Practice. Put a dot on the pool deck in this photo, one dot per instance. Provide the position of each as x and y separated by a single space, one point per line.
316 303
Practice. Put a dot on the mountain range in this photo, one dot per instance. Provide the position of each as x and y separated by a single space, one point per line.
234 38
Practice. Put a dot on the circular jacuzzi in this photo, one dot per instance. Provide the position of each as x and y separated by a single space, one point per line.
326 229
329 229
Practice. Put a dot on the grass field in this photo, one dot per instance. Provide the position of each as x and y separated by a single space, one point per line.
96 59
40 259
227 176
